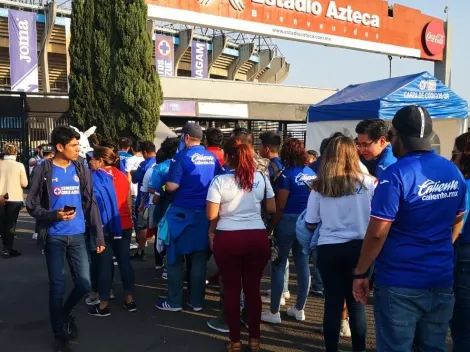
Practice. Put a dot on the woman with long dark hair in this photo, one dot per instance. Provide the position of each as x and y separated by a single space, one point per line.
240 242
459 326
293 188
341 201
112 191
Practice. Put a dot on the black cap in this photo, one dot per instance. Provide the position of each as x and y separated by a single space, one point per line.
193 130
47 148
414 124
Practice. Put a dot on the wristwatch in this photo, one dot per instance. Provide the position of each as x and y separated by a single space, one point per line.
360 276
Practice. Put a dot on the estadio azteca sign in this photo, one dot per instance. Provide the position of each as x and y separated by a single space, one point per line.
334 11
359 25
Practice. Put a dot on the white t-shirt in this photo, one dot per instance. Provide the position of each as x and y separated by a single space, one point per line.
343 219
132 164
239 210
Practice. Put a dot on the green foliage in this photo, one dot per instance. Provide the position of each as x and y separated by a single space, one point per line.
80 81
113 83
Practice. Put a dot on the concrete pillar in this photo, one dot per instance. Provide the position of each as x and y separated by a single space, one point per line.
218 46
50 11
151 27
265 58
186 38
245 51
277 72
443 70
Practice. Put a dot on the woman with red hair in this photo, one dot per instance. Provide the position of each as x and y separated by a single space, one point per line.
240 242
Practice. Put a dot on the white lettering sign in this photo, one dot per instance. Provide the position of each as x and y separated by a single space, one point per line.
346 14
23 36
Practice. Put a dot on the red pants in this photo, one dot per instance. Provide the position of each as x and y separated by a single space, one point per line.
241 257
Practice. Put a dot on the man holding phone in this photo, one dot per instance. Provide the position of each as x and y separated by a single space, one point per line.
61 199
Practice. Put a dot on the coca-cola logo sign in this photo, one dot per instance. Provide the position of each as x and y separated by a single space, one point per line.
434 38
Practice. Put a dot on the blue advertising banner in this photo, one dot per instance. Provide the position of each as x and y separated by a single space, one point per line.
164 55
199 60
23 51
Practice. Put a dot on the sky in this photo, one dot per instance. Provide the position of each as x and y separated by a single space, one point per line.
327 67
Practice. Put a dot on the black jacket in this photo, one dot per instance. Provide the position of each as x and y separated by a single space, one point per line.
39 197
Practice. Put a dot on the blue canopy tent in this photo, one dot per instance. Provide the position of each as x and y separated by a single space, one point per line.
382 99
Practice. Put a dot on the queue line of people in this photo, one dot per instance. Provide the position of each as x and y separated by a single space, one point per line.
416 206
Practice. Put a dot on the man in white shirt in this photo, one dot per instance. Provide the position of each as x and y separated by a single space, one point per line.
132 164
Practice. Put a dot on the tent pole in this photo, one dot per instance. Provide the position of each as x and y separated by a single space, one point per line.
390 58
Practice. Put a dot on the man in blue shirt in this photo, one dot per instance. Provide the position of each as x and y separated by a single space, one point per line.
149 154
269 149
61 200
376 151
189 178
124 147
417 213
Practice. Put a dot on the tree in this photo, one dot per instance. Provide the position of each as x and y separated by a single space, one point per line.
137 90
103 46
81 97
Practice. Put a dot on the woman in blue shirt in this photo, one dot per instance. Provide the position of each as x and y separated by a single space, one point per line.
293 189
459 324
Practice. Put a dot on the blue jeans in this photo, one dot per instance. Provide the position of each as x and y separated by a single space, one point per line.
197 279
102 267
75 250
317 281
286 239
460 323
406 314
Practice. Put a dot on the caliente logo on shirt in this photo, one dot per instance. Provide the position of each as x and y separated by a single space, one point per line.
199 159
434 190
301 178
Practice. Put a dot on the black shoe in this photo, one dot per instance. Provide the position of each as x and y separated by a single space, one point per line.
10 253
61 344
131 307
139 256
97 312
71 328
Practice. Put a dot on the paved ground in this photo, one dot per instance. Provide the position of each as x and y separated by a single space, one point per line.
24 322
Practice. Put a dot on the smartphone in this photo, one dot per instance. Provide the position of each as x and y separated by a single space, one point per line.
6 196
69 208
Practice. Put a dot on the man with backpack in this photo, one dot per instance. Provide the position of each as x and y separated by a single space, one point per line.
61 200
269 149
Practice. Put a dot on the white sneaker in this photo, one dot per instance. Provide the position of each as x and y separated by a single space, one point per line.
345 330
92 299
35 236
268 300
134 246
269 317
298 314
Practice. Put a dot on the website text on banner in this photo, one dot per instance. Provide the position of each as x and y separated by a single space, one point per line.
359 25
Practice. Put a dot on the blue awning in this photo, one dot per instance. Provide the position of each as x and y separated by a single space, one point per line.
382 99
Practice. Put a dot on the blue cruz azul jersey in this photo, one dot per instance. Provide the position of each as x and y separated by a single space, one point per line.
66 191
193 170
386 159
294 180
421 194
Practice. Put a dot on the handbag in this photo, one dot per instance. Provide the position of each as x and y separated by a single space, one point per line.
265 215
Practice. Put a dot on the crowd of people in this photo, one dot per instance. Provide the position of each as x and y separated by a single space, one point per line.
382 212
